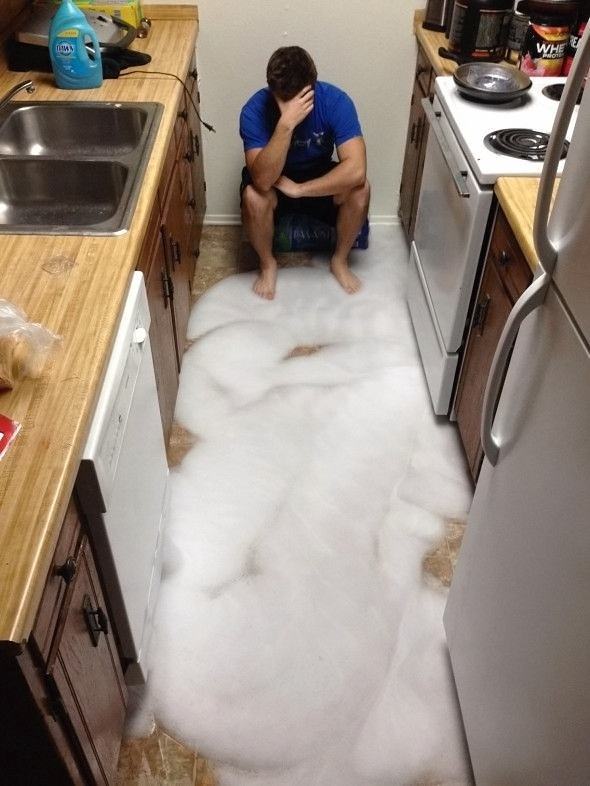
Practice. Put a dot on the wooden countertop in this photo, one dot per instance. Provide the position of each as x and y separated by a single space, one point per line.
76 286
517 197
431 41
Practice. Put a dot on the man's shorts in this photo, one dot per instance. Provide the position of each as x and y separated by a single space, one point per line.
322 208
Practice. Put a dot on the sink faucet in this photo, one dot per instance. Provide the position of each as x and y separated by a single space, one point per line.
28 85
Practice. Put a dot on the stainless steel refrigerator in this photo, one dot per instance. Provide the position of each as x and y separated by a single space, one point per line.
518 613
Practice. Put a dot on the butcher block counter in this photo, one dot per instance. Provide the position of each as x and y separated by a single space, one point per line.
75 286
518 197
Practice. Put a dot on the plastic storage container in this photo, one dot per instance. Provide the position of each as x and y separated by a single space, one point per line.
299 232
547 36
74 49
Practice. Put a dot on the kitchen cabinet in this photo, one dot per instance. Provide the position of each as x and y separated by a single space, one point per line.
171 248
415 144
505 276
64 697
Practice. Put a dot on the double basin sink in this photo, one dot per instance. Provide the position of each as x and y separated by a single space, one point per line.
73 168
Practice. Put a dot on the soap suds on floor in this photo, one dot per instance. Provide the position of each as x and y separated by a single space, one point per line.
296 640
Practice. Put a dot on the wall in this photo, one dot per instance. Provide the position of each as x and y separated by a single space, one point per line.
366 48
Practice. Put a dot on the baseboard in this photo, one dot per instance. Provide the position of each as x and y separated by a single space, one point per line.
221 219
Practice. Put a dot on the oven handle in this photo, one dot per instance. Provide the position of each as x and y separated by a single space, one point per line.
457 174
530 299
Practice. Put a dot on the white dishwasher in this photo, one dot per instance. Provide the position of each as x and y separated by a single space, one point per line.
123 483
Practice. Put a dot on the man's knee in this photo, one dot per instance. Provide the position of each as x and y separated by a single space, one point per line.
358 197
255 202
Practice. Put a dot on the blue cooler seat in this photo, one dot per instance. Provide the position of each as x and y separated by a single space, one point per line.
300 232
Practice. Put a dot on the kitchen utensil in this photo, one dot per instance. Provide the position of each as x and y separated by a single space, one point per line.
493 83
436 14
109 30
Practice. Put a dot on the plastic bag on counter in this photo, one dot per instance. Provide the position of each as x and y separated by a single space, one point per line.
24 345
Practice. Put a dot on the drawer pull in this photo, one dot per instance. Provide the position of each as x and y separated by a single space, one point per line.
68 570
192 203
177 255
193 74
182 115
96 620
481 314
504 259
190 156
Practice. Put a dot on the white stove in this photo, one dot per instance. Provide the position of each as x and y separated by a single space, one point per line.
455 214
471 122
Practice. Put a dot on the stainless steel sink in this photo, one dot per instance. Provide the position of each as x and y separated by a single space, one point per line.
73 168
44 192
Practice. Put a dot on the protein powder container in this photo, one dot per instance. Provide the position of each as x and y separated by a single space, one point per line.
547 36
479 29
575 35
519 24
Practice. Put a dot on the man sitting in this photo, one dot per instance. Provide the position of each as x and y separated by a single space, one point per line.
289 130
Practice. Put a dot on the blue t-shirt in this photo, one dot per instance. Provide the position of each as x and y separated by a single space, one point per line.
332 121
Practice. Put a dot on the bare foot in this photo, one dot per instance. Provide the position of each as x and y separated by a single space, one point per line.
345 277
265 284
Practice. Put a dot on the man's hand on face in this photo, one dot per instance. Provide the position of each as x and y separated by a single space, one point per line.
296 109
289 187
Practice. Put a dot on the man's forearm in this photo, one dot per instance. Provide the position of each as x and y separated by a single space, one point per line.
270 162
347 175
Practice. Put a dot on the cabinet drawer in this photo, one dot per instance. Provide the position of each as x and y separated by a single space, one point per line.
424 73
88 676
509 260
62 572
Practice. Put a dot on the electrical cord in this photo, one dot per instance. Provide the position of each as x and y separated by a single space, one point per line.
182 82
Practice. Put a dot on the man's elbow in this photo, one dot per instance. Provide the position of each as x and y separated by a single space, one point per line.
261 183
359 175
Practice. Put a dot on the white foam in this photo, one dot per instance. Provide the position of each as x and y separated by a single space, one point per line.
296 641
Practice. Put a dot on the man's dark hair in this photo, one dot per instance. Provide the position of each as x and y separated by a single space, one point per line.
289 70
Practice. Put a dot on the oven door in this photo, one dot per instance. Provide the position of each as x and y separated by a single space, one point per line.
452 217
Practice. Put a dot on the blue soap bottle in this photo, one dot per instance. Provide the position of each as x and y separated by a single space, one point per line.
74 67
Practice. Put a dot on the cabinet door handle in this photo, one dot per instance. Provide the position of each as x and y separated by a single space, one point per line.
176 252
193 74
190 156
481 314
182 115
192 203
96 620
68 570
196 145
166 288
413 133
505 259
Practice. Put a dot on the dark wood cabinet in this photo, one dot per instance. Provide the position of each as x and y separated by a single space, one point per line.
176 228
171 248
505 276
415 145
63 697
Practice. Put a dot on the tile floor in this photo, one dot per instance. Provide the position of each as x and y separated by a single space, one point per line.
159 759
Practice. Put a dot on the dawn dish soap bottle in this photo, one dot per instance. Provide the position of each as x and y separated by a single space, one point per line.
70 39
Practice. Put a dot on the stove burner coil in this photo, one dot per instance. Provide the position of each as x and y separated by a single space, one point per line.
521 143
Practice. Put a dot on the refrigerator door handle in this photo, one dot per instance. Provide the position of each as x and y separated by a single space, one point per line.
533 297
546 251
